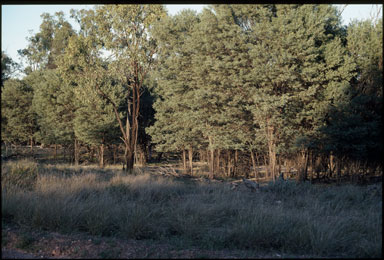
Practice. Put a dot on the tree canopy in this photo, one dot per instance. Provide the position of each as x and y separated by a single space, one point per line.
270 83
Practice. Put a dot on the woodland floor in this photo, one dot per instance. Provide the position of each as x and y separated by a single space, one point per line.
20 242
24 243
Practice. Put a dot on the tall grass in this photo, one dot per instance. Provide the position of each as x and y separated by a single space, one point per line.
344 221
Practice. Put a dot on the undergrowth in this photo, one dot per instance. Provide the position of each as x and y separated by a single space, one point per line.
291 218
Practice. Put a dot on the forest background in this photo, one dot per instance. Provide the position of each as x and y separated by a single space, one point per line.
235 86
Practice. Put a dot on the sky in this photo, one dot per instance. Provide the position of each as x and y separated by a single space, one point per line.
18 21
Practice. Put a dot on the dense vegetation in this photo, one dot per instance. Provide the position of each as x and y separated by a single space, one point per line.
284 218
237 86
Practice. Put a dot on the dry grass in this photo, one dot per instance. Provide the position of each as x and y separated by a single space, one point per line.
285 217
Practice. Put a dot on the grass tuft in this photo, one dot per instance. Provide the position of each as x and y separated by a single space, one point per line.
19 175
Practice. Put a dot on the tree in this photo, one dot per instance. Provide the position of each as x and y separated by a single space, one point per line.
124 31
54 106
354 119
292 73
18 120
174 128
8 67
221 68
41 54
94 121
83 71
46 45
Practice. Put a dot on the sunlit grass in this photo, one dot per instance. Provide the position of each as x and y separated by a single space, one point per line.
290 218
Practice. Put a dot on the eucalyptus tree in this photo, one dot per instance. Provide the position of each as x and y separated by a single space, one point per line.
124 32
84 71
41 54
47 44
8 67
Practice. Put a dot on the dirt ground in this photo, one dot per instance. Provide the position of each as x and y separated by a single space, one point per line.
23 243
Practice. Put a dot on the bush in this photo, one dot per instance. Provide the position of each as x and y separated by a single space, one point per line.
20 175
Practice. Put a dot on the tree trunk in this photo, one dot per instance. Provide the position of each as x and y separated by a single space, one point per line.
338 170
55 152
235 163
6 149
312 160
229 166
331 165
130 131
190 156
279 167
158 158
101 159
303 166
212 164
143 159
114 147
306 165
272 163
201 156
139 156
267 171
76 152
149 153
271 150
92 154
254 164
31 144
184 161
67 154
135 157
218 161
211 159
129 160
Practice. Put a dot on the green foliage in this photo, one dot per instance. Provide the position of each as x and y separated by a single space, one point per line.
18 119
52 100
220 68
94 120
46 45
291 74
225 82
175 127
54 107
8 67
280 80
355 119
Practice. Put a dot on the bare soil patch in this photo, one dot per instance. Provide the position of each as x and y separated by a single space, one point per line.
52 245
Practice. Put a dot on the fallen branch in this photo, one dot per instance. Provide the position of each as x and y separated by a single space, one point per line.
254 186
